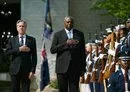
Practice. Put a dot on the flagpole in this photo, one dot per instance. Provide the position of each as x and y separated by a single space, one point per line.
45 78
43 42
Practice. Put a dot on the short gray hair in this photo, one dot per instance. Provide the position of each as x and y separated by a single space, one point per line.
22 21
68 17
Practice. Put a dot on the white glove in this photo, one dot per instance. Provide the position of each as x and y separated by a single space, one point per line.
89 63
111 52
116 44
101 56
129 74
95 58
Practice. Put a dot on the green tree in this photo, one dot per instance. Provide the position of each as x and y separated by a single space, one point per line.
117 8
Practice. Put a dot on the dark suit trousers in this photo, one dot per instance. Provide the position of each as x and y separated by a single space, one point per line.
20 80
69 81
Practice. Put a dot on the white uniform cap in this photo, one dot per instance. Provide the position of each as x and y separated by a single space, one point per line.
108 30
119 27
128 20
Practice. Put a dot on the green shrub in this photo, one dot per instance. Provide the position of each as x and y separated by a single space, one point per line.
54 84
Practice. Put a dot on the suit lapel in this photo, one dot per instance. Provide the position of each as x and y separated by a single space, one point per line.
27 40
17 41
64 35
75 35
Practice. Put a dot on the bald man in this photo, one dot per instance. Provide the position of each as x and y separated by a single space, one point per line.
69 45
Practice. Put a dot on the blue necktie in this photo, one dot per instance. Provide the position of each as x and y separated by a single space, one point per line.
69 35
21 42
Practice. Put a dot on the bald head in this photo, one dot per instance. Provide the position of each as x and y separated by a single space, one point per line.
68 22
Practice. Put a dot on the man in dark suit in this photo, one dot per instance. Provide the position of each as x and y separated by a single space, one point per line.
22 48
69 45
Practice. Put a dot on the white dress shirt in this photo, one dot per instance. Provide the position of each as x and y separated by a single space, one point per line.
24 39
69 33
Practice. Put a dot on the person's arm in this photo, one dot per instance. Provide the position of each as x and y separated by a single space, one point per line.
34 55
83 55
128 39
9 48
56 46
